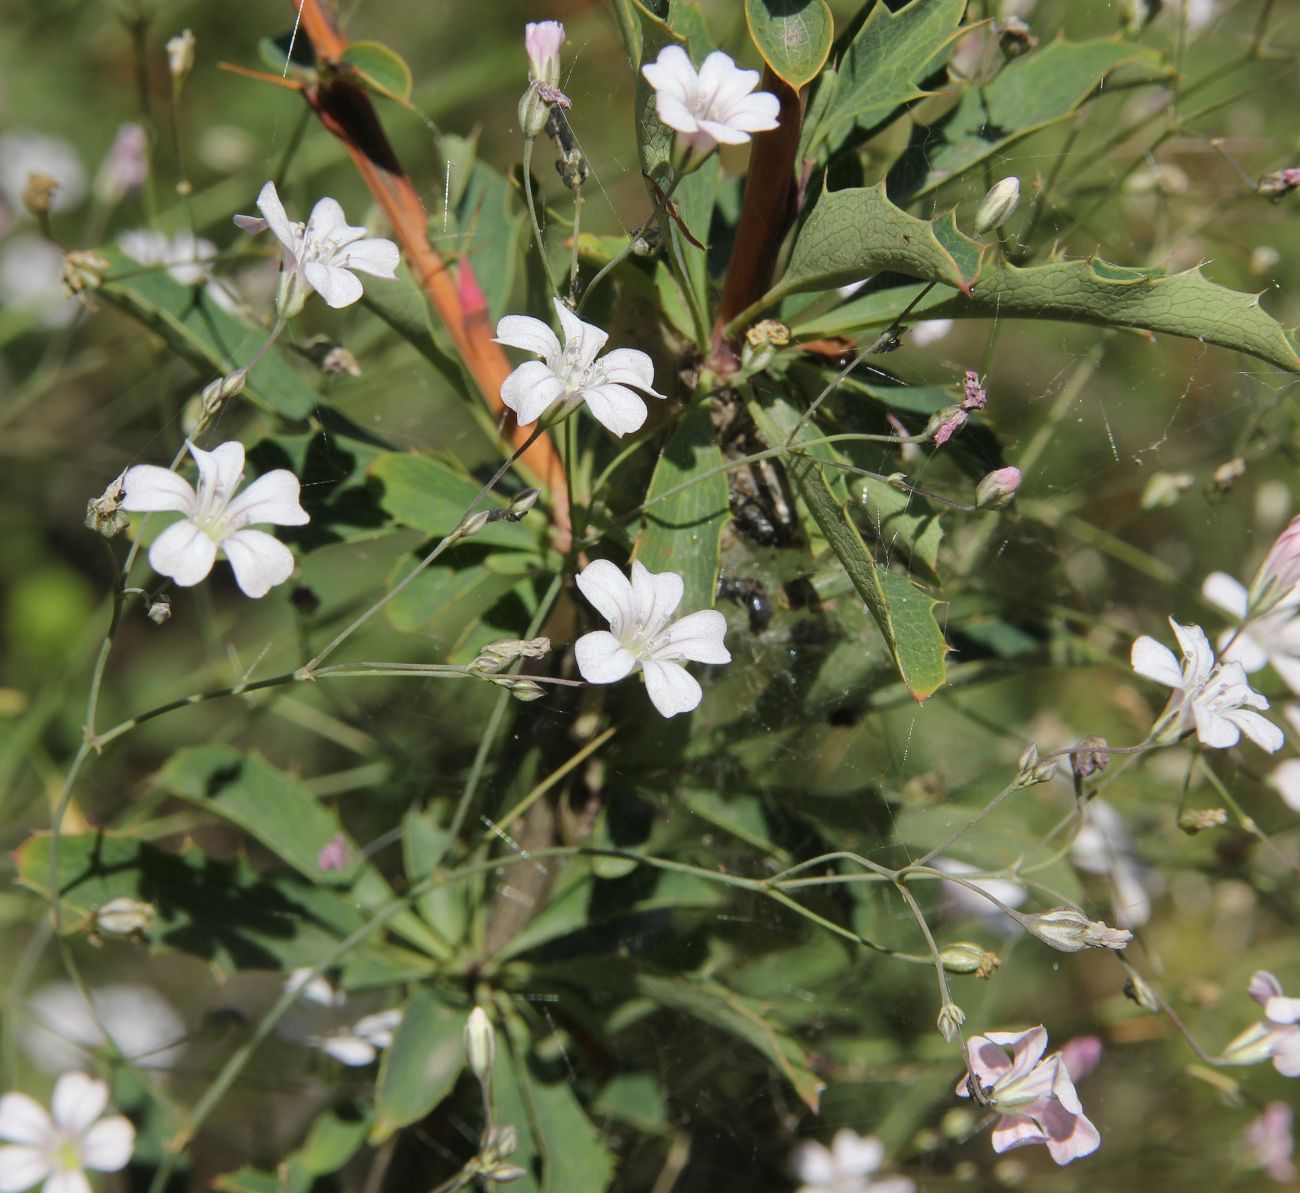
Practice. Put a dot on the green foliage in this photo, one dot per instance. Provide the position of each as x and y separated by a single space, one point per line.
794 36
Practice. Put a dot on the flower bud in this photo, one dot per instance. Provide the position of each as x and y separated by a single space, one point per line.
1165 488
1279 183
1138 14
1030 770
951 1017
473 524
944 424
180 57
480 1047
964 956
525 690
1252 1046
496 656
520 504
160 609
1068 929
997 206
997 488
104 513
213 395
124 916
503 1173
542 41
1090 757
1279 574
533 112
1228 474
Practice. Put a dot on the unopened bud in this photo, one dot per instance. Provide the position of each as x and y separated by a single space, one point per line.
496 656
82 270
501 1141
542 42
1068 929
104 513
1137 990
180 57
1198 820
1031 770
951 1017
160 609
533 112
503 1173
973 394
1279 183
1090 757
521 503
1014 37
1279 574
997 489
944 424
1138 14
473 524
525 690
997 206
124 916
1253 1045
964 956
213 395
480 1046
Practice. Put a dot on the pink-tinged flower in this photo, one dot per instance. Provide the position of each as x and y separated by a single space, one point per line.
1258 640
1035 1097
845 1167
1279 574
56 1147
947 423
1270 1142
321 254
716 106
569 374
1217 699
1081 1055
126 164
218 520
997 488
542 40
973 394
334 854
642 638
1277 1037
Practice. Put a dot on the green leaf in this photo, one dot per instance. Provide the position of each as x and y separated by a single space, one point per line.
683 532
221 912
1031 93
712 1003
854 233
1094 291
883 66
202 333
575 1156
419 1070
379 68
902 522
794 36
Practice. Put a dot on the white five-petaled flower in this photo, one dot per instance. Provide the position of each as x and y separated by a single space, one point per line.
57 1146
641 637
215 519
845 1167
1277 1037
1215 698
569 374
1035 1097
717 105
321 254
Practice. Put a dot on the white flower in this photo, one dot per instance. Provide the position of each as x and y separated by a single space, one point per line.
321 254
317 990
142 1023
844 1167
216 519
1272 639
184 256
1285 778
363 1041
717 105
31 281
569 375
542 41
25 152
1277 1037
1217 699
321 1022
1105 846
640 636
58 1146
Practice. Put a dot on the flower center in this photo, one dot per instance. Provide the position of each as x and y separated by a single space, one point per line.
576 374
210 514
66 1153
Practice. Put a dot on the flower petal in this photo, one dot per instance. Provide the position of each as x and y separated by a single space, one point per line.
1263 986
585 340
1198 658
609 593
655 595
78 1101
260 561
252 224
107 1146
1153 660
527 334
675 113
1015 1130
273 213
327 222
69 1180
150 488
602 658
1288 670
335 285
618 409
856 1155
813 1164
378 1028
530 391
22 1167
1069 1134
272 498
347 1050
374 255
628 366
184 553
757 113
672 73
697 637
1260 730
1227 592
220 472
670 688
24 1120
1214 730
724 134
1285 780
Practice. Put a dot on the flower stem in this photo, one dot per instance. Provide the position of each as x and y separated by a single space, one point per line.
538 239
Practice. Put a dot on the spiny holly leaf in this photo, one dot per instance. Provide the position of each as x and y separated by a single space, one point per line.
1094 291
794 36
854 233
883 66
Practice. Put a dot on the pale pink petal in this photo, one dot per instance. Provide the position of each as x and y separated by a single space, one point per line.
530 391
1281 1009
655 595
23 1120
69 1180
1156 661
183 553
616 408
78 1101
107 1146
988 1061
1014 1131
336 286
1286 781
671 688
1286 1054
527 334
272 498
602 658
1027 1046
584 339
1081 1055
252 224
150 488
697 636
22 1167
1227 592
1069 1135
1263 986
609 592
374 255
260 561
273 213
628 366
